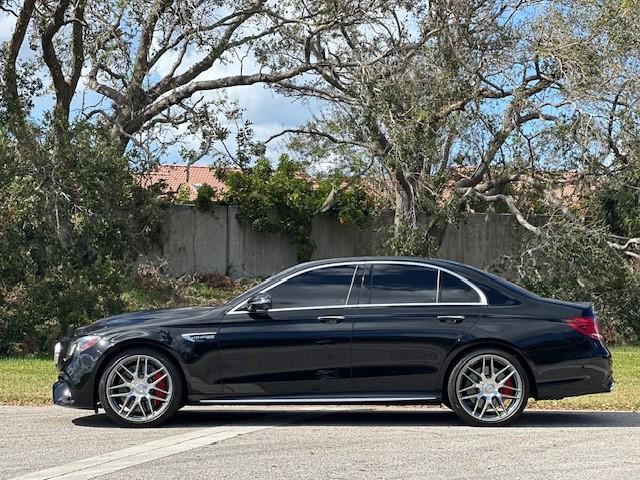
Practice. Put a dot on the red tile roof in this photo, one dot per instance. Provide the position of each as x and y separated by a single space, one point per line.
175 176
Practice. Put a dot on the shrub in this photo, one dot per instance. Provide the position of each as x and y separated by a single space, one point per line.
285 199
72 220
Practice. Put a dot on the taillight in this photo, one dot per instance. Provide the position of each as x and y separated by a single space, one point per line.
585 325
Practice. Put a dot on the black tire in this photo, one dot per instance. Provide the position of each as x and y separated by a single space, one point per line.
512 412
172 405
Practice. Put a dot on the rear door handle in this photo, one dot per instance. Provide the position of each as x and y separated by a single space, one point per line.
331 319
451 318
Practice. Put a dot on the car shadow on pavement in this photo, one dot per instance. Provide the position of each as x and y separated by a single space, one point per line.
378 417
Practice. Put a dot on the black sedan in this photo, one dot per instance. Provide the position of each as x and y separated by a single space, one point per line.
358 330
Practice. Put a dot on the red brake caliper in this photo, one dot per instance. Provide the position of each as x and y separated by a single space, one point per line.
162 384
505 390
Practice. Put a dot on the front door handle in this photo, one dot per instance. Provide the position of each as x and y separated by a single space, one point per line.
451 318
331 319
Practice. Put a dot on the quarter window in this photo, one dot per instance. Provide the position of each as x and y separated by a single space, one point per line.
317 288
403 284
454 290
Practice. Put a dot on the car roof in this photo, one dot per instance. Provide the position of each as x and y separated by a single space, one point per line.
372 258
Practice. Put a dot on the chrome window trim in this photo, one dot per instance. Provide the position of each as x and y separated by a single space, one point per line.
481 295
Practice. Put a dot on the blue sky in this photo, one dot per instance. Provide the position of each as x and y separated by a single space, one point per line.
268 111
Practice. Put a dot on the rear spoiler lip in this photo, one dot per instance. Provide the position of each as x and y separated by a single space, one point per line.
578 305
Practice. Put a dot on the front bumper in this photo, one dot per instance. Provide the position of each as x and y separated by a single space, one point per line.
77 379
65 395
62 394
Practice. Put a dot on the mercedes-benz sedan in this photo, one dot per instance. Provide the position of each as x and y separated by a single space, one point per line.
343 331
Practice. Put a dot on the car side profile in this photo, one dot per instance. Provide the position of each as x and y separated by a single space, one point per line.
378 330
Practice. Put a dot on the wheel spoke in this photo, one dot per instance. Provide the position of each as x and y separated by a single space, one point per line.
468 377
132 408
120 385
124 404
484 409
467 388
152 374
515 389
157 380
153 397
151 407
470 396
116 395
475 408
131 374
137 372
503 381
122 377
494 407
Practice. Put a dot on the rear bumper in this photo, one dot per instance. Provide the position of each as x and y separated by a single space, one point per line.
576 377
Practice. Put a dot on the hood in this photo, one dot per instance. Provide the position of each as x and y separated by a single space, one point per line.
149 317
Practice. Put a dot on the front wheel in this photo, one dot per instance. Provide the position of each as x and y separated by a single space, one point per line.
488 388
140 387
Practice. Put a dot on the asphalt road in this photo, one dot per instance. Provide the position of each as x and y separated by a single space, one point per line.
318 442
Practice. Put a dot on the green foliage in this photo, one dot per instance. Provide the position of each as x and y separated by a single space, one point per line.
407 240
576 264
284 200
72 221
184 194
206 198
280 200
618 203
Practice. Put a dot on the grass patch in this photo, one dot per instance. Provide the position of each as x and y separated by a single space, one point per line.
27 381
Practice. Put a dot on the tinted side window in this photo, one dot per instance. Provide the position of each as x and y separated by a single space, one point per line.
317 288
403 284
454 290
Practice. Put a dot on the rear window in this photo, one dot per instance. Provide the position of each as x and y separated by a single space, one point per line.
454 290
403 284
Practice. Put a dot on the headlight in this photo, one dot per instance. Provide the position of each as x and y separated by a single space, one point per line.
81 344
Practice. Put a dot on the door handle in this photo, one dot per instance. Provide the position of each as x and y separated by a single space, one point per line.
451 318
331 319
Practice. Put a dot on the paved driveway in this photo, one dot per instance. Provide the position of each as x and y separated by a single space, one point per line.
318 442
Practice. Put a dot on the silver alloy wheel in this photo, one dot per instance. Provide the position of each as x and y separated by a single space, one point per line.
139 388
489 388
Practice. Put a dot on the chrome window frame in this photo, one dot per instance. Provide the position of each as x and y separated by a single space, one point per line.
483 298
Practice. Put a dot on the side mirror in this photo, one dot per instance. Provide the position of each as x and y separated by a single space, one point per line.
259 303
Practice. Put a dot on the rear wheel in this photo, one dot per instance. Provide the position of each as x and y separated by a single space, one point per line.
488 388
140 387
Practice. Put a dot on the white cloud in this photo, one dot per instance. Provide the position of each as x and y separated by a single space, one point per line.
7 22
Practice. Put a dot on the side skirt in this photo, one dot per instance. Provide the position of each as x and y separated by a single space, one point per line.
331 400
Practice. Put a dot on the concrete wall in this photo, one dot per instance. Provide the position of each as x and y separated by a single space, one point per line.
193 241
